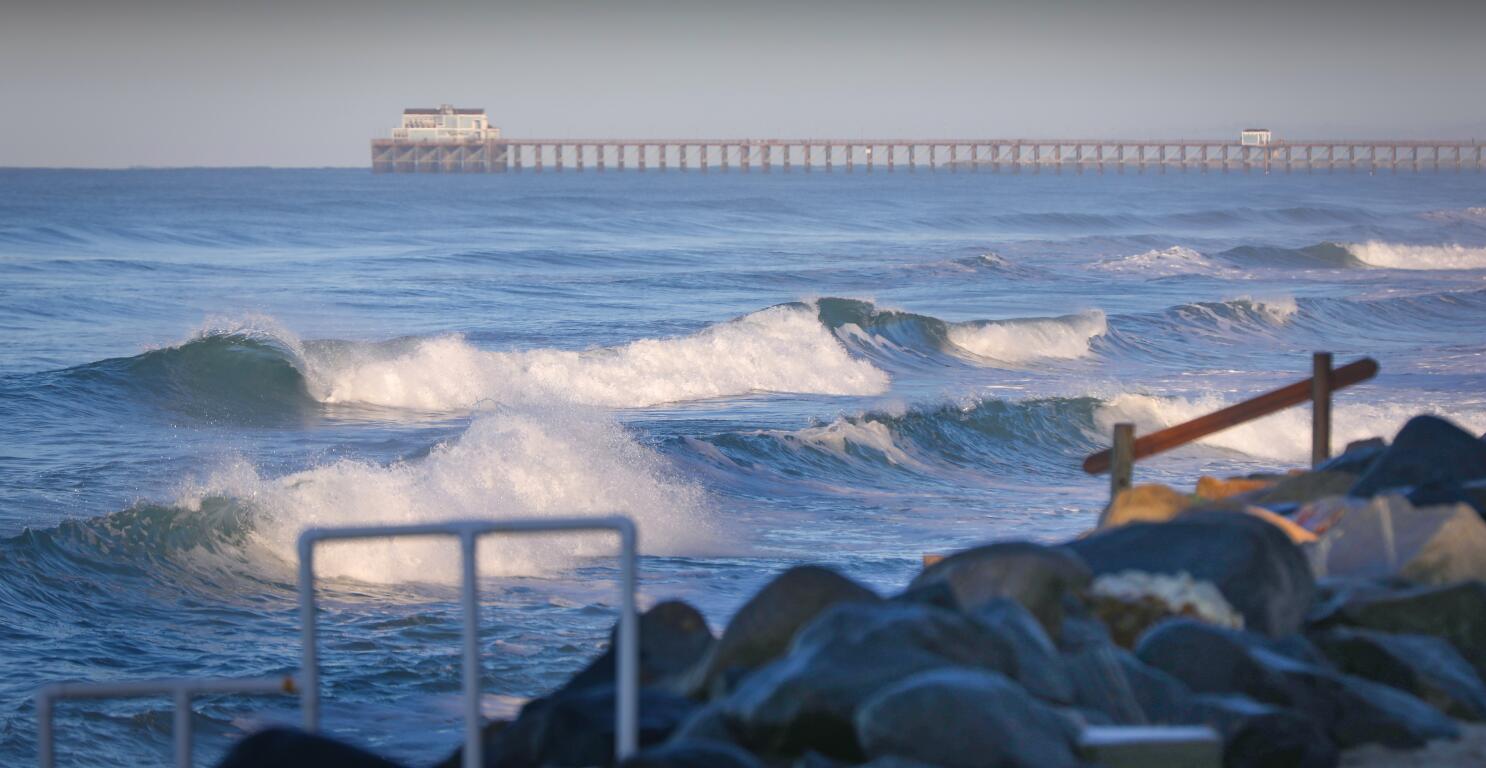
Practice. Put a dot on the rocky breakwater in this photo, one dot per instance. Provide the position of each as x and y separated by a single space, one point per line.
1304 618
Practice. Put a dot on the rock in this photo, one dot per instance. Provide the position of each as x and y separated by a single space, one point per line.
292 748
1357 458
1036 576
806 700
678 753
1213 488
1145 504
1129 602
1455 613
1034 660
962 718
1425 666
1427 451
1257 735
1110 681
1352 710
1258 569
1307 487
1472 493
1387 536
576 728
762 629
673 638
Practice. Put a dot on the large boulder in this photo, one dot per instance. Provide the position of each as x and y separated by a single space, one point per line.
293 748
1455 613
1386 536
679 753
1034 575
806 700
576 728
1032 659
965 718
1258 735
1307 487
762 629
673 639
1258 569
1427 451
1425 666
1147 503
1352 710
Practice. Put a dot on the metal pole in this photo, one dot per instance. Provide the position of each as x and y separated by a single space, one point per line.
181 729
627 698
1122 466
44 739
1320 407
470 597
309 660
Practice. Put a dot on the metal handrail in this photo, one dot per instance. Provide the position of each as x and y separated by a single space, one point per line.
626 705
1120 459
181 690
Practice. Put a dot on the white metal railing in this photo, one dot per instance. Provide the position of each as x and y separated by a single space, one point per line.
180 690
626 705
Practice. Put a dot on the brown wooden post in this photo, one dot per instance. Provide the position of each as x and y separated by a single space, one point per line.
1320 407
1122 466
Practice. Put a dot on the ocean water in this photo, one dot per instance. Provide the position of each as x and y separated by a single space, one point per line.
760 369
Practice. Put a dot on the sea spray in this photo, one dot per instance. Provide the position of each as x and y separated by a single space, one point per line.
526 462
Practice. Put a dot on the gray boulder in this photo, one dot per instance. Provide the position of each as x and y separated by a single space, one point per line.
1033 660
1388 536
1425 666
678 753
1306 487
806 700
963 718
1352 710
1428 451
576 728
762 629
1260 572
1036 576
673 639
1257 735
1455 613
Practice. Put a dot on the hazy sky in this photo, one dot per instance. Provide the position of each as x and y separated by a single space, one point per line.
253 82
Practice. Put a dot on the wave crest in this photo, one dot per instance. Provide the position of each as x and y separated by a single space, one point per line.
1376 253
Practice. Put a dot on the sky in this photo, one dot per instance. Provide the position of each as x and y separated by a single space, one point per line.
120 83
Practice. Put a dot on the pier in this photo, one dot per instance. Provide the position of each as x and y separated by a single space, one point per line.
498 155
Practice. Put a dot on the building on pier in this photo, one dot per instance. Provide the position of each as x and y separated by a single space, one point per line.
446 123
1255 137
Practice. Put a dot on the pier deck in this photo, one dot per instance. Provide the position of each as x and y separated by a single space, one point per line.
1004 155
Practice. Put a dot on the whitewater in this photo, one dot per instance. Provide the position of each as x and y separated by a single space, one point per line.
759 370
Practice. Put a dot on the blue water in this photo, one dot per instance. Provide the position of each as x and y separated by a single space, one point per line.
760 369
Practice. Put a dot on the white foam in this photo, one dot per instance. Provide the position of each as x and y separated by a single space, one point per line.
780 349
1396 256
530 463
1281 437
1176 260
863 433
1023 340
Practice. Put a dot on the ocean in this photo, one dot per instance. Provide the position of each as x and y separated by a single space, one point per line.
760 369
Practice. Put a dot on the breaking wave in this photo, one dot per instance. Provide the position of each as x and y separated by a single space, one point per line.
876 331
1397 256
1165 262
508 463
1021 340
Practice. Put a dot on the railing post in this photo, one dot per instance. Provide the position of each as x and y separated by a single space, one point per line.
182 728
45 743
1122 464
470 596
1320 407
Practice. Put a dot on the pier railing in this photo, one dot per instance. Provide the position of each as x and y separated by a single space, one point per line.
1013 155
1119 460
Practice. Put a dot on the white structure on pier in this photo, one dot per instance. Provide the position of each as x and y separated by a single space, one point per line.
1255 137
445 124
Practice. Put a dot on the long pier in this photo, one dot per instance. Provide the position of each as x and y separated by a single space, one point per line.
997 155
